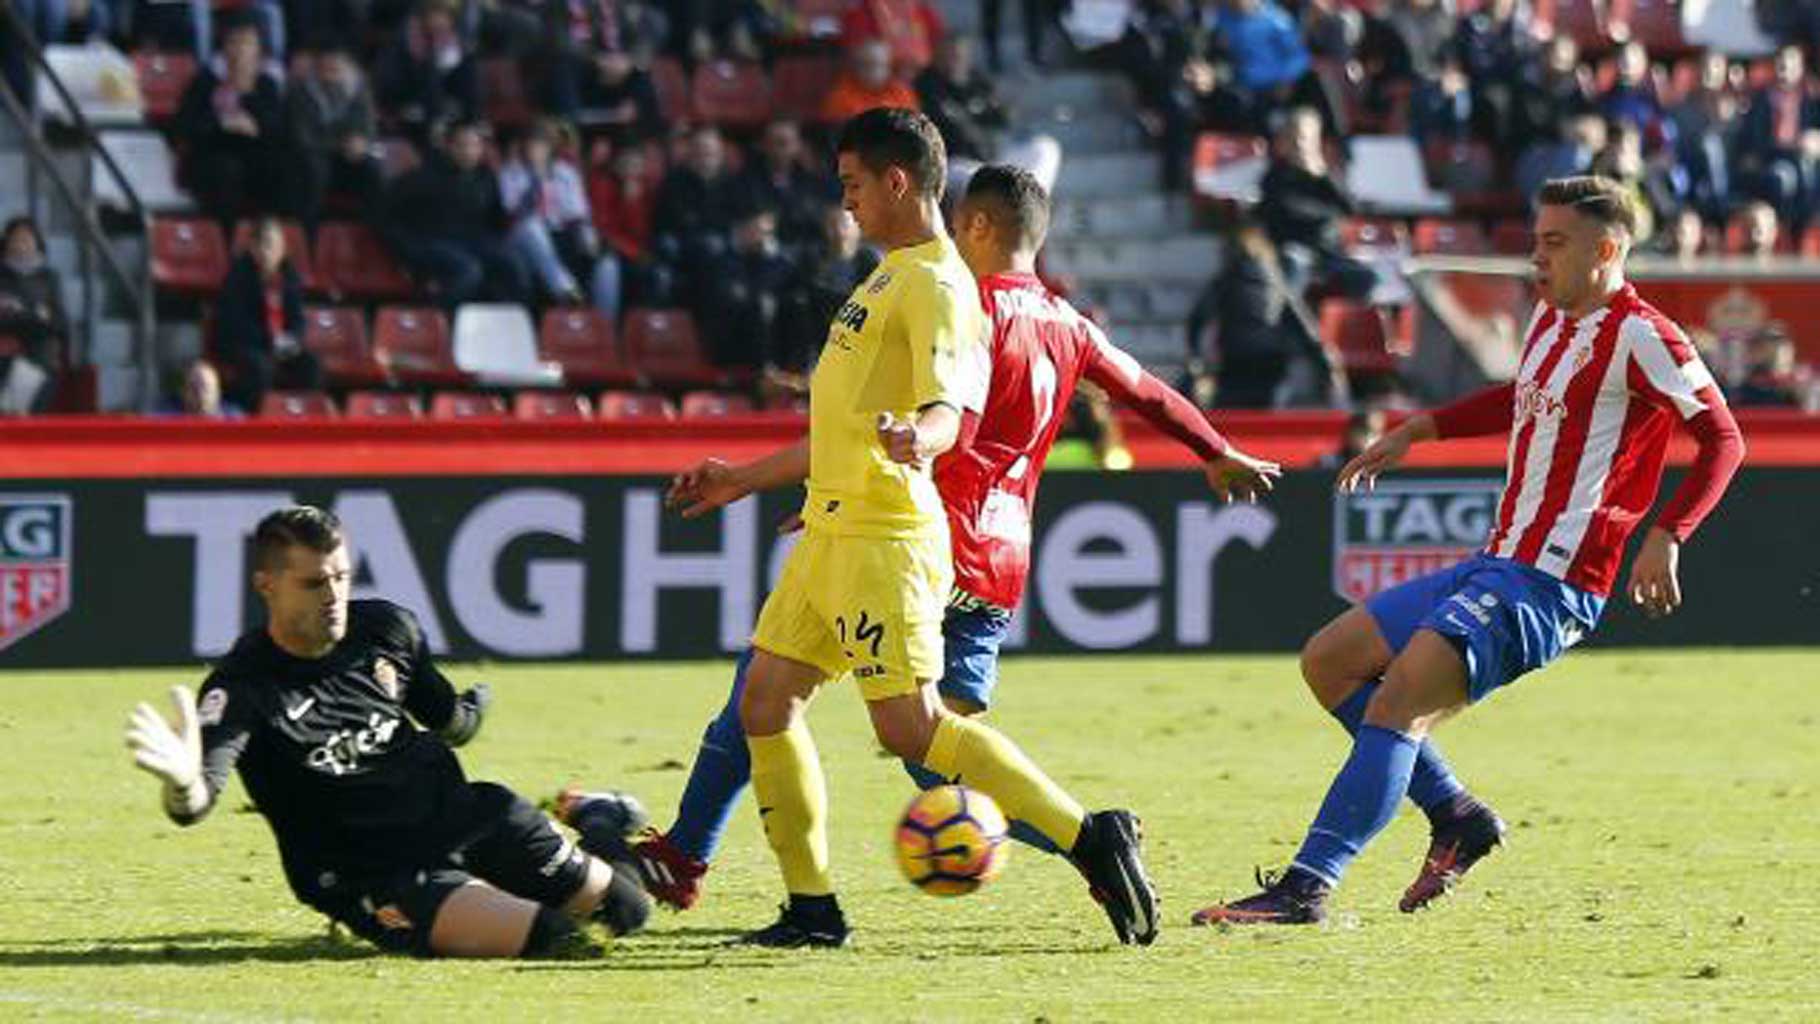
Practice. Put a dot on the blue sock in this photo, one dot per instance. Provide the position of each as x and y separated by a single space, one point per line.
1019 830
1360 803
1432 786
723 766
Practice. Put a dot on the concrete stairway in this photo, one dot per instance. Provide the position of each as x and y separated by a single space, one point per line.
1131 249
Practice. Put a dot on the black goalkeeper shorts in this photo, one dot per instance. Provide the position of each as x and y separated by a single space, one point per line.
522 853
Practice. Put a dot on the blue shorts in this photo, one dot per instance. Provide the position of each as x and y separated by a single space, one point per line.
1505 617
970 642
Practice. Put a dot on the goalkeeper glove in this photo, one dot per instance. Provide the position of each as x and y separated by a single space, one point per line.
174 755
470 708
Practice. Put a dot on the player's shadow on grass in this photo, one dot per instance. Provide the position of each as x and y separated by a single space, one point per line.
201 948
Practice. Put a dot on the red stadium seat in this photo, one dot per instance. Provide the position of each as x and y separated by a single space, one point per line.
1360 336
502 92
189 256
798 84
338 337
663 346
1364 233
672 85
296 249
413 344
712 404
552 405
467 405
1577 18
297 405
735 94
1213 149
1654 23
635 405
1451 237
163 77
582 342
352 261
383 405
1512 238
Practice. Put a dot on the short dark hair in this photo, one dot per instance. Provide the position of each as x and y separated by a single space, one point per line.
892 137
1594 196
1015 201
26 223
298 526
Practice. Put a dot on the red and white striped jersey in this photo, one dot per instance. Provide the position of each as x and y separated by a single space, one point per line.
1596 401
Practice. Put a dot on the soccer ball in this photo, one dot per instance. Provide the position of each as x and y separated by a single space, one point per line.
951 840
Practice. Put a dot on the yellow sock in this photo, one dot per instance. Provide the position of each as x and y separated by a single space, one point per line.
981 757
793 805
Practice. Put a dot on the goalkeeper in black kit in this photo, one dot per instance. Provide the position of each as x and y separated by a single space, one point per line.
343 730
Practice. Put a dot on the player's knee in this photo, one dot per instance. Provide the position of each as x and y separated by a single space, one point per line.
1409 703
905 735
624 908
762 712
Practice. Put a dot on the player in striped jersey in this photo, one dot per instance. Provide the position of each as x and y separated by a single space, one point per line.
1603 382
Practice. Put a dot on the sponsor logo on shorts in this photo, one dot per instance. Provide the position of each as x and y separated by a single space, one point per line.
35 563
1473 609
1407 528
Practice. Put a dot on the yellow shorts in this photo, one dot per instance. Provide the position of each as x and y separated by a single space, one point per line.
871 606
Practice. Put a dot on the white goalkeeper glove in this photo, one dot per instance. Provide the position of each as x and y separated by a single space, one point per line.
174 755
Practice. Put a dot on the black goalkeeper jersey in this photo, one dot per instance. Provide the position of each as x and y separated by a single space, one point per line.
330 754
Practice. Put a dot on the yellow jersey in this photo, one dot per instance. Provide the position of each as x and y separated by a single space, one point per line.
912 334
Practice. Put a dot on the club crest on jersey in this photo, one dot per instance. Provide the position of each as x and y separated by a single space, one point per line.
1582 356
35 562
386 675
1405 529
212 708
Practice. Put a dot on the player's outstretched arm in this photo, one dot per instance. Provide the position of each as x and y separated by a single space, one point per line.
1386 453
1231 473
713 483
1490 411
173 754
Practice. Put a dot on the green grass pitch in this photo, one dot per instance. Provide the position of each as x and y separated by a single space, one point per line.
1663 860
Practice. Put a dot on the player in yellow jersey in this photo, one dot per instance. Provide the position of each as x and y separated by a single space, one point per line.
903 372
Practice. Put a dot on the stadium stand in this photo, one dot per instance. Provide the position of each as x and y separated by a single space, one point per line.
1134 245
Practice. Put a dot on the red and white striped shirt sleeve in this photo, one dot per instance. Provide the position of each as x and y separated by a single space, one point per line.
1666 371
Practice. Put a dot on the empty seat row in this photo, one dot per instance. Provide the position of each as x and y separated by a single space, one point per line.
191 257
526 405
499 344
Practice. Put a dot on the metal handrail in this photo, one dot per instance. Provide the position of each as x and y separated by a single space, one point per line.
139 291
